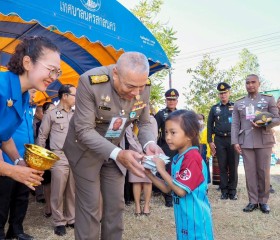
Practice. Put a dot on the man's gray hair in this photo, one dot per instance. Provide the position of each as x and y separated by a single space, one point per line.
135 61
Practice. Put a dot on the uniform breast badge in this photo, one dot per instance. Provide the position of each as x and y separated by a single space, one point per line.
218 110
10 102
105 100
135 107
132 114
138 105
122 112
59 114
137 97
241 106
262 104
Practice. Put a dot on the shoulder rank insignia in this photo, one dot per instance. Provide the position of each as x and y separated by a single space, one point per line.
10 102
148 83
96 79
268 95
240 98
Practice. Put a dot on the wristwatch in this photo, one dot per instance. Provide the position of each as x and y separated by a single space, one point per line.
18 160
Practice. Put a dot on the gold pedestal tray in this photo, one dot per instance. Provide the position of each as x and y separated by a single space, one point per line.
39 158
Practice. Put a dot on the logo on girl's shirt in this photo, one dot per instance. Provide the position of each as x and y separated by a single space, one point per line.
185 175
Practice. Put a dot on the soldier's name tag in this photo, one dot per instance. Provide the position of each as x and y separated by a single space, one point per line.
250 112
104 108
116 127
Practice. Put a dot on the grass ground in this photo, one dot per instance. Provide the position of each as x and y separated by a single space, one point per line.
229 220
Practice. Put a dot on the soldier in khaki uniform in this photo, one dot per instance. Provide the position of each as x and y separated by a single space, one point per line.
98 164
55 124
254 142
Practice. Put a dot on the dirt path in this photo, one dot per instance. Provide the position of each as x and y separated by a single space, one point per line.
229 220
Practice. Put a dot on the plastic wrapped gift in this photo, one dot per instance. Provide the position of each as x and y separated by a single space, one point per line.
150 164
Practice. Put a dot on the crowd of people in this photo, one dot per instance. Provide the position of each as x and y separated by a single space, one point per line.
110 131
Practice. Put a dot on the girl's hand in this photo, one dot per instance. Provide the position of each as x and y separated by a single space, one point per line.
148 172
159 163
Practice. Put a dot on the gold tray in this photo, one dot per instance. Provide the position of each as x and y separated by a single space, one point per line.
39 158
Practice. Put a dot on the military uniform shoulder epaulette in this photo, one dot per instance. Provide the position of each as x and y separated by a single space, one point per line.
96 79
268 95
148 83
54 109
240 98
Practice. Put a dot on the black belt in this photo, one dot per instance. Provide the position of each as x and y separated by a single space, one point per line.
221 134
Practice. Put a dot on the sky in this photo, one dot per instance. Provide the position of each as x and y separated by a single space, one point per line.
222 28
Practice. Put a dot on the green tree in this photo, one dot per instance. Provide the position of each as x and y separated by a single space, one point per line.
202 93
247 64
147 11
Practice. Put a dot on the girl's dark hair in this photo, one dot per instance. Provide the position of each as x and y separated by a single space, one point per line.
188 122
202 115
32 47
46 106
64 89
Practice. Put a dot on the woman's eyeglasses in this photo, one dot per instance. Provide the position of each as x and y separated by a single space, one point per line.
54 73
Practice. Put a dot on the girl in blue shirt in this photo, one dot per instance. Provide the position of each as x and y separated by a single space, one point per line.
188 180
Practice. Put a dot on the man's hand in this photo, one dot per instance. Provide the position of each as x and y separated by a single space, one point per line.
255 125
153 149
131 160
213 148
237 148
28 176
